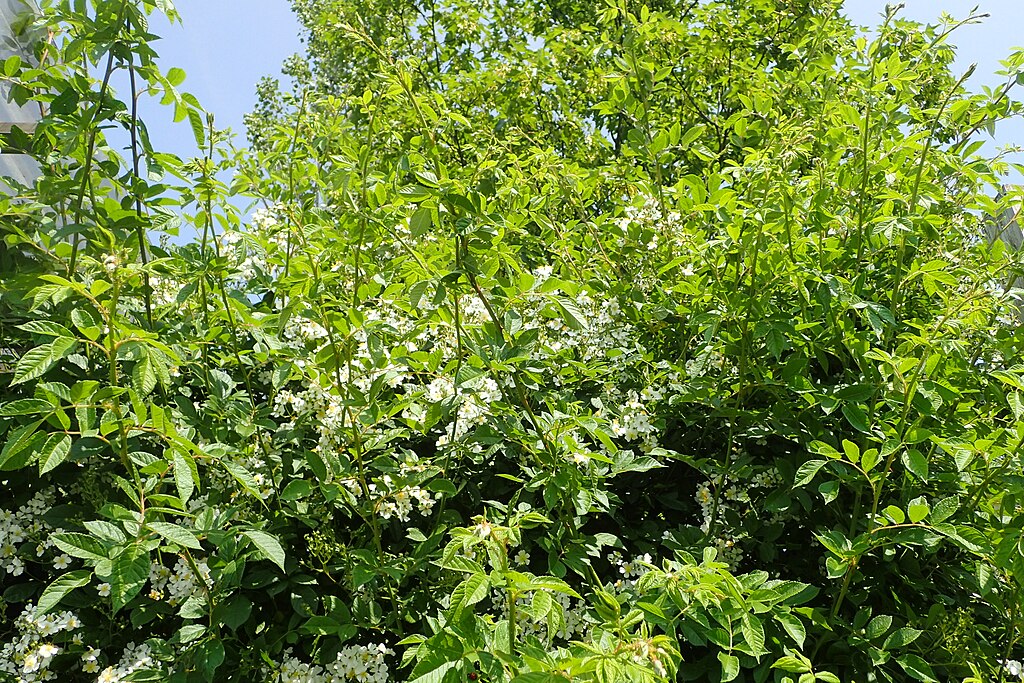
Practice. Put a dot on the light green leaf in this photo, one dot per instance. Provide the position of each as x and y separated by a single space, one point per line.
80 546
129 573
184 471
917 668
901 638
807 471
176 534
916 463
730 666
268 546
60 587
54 452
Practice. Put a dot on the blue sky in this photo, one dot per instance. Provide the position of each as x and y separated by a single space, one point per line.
225 46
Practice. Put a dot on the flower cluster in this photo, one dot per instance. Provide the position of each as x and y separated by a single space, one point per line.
27 657
629 570
27 523
134 658
176 585
394 499
362 663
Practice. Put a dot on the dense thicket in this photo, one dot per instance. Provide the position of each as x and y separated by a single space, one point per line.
583 342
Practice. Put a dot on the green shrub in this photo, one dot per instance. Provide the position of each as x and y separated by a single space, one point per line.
564 342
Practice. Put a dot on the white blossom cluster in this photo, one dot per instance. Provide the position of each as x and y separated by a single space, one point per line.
734 493
176 585
475 397
1014 669
27 657
629 570
165 290
362 663
247 254
393 499
134 658
25 524
634 422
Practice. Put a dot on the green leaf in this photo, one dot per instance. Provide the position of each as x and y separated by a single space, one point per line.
856 416
243 477
879 626
437 675
184 473
916 463
807 471
917 510
793 627
895 514
33 364
468 593
856 393
571 314
54 452
26 406
80 546
175 76
297 489
60 587
753 633
791 665
46 328
129 573
917 668
901 638
945 509
730 666
176 534
144 376
268 546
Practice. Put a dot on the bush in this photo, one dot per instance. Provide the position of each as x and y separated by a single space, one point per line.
596 342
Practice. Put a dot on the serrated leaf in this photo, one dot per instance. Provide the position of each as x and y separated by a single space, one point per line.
129 573
60 587
80 545
468 593
184 467
34 363
917 668
879 626
901 638
753 633
945 509
268 546
793 627
46 328
54 452
807 472
916 463
144 376
243 477
570 312
730 666
176 534
26 406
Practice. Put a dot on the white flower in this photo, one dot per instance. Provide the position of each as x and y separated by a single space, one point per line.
104 590
61 562
47 650
522 557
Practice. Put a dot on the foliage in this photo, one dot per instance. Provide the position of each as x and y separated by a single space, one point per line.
567 342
